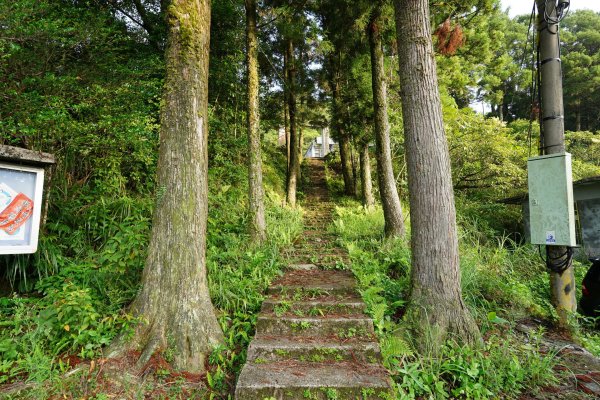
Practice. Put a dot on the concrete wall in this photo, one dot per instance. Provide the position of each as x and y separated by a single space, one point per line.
589 218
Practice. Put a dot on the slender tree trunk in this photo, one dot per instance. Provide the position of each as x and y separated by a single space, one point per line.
345 156
390 201
365 177
578 117
436 309
286 110
292 178
355 165
338 125
256 203
174 299
501 111
299 149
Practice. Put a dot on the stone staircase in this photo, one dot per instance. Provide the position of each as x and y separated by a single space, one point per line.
313 339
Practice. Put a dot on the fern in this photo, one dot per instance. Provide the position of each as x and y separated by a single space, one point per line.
394 347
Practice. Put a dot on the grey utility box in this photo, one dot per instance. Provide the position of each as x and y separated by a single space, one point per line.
552 213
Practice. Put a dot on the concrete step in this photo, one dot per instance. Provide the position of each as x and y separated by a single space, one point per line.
316 306
314 281
342 327
312 349
293 380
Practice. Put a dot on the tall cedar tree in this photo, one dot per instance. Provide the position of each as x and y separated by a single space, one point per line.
256 203
174 299
436 309
294 142
392 209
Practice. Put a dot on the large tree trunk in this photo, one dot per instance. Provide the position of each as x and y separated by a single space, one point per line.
174 299
390 201
365 177
256 203
292 176
436 309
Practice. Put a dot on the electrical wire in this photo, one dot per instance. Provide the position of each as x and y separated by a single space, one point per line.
542 143
562 10
532 87
560 263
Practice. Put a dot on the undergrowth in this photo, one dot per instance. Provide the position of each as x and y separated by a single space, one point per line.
70 299
502 282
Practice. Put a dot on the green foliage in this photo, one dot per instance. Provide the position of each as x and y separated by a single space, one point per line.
501 281
498 370
486 156
581 62
93 102
82 88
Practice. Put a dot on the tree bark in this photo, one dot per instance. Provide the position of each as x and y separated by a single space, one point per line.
174 299
256 203
390 201
436 310
365 177
337 125
300 130
292 177
286 111
345 157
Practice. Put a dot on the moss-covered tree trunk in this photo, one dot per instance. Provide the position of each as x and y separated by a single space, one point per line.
174 299
436 309
256 203
390 201
365 176
292 176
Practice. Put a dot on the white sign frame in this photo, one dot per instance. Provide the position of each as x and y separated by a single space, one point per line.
34 227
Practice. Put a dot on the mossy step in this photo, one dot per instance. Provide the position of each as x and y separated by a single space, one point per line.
331 282
312 349
292 380
301 267
314 306
342 327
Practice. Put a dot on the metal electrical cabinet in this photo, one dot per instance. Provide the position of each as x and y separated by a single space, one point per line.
552 212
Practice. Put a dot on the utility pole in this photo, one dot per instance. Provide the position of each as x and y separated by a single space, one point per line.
550 13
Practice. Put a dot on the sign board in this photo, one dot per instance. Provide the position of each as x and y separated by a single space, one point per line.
20 208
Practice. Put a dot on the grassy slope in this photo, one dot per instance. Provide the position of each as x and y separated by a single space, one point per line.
72 315
503 283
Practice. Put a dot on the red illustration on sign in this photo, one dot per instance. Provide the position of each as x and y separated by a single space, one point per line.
16 213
